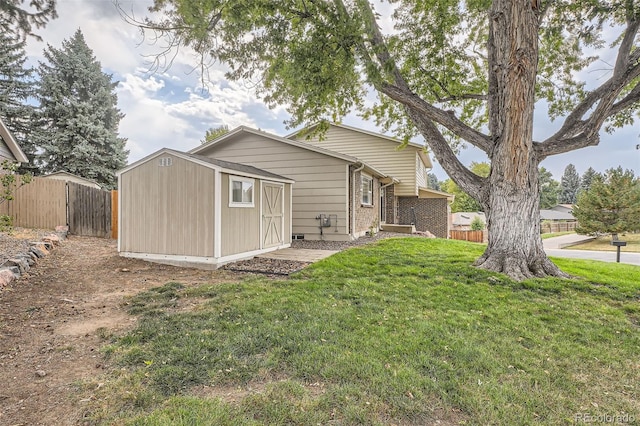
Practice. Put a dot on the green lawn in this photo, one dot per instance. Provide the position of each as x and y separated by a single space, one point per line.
402 332
604 243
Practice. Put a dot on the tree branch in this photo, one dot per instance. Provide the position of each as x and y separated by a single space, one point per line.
579 132
631 98
471 183
450 97
444 118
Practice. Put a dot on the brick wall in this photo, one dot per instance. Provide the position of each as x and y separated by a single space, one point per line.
366 216
391 204
431 214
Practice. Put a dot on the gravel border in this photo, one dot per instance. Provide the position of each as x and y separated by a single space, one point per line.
282 268
18 241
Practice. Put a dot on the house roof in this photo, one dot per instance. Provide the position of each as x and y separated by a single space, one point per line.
432 193
556 215
421 148
13 146
65 173
224 166
243 129
465 218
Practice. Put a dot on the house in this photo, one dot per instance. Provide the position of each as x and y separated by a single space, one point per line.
190 210
70 177
461 221
564 208
336 196
407 200
9 148
556 215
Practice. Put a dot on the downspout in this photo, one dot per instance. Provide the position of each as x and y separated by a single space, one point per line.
353 197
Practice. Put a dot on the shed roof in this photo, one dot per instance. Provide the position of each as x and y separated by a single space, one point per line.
243 129
223 166
13 146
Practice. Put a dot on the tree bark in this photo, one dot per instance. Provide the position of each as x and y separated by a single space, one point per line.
513 222
512 209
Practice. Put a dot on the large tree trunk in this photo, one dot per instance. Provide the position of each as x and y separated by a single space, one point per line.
513 220
512 205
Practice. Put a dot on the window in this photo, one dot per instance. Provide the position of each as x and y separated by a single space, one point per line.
240 192
367 190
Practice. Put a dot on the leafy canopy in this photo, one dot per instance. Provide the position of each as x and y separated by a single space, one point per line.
320 58
463 202
214 133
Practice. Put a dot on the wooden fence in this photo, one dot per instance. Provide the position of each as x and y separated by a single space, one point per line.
47 203
89 211
550 226
473 236
42 203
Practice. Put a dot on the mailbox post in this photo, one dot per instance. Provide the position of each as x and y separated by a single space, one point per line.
618 244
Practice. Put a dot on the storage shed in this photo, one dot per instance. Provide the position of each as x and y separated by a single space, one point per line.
189 210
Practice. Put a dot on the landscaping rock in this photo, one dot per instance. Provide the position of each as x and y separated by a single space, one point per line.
20 263
14 270
53 239
6 276
62 231
40 252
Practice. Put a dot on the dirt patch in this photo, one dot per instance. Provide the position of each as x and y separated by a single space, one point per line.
51 320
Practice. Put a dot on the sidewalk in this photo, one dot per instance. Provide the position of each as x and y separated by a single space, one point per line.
565 241
553 247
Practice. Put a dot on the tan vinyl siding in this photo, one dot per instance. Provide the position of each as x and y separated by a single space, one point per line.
378 152
287 213
168 210
5 152
240 225
320 181
421 176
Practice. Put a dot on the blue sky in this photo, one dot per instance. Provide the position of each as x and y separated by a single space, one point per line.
169 108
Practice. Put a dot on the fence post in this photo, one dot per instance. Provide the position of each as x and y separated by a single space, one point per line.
114 214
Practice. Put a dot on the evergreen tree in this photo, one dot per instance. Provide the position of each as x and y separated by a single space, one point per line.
549 189
611 204
18 20
16 87
569 185
433 182
587 178
79 117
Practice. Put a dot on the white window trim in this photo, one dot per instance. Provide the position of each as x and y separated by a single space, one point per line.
253 192
370 179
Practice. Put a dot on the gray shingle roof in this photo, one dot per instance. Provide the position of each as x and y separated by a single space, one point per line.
243 168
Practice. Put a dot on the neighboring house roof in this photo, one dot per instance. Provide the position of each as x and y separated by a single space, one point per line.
243 129
566 208
224 166
11 143
555 215
63 175
422 148
465 218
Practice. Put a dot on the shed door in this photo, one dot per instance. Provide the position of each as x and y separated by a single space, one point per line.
272 214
